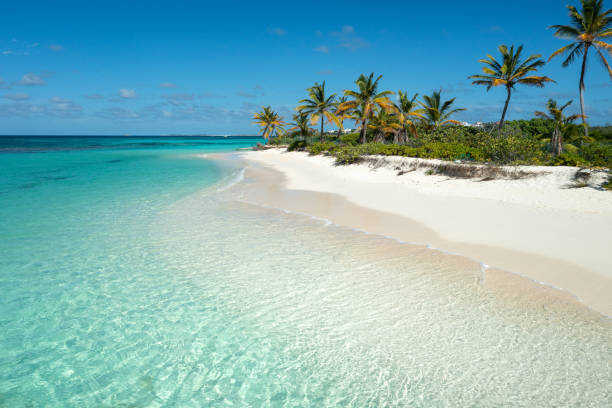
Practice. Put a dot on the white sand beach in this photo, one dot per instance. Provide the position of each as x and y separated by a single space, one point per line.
536 226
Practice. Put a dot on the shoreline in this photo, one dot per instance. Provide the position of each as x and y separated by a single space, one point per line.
377 201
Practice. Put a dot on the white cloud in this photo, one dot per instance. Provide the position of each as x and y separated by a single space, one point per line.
276 31
127 93
324 49
31 79
348 39
178 99
7 52
17 96
167 85
95 96
56 47
118 113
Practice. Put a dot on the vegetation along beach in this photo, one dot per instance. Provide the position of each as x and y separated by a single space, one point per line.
323 205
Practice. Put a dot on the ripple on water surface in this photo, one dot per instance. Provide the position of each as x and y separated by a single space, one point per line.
214 302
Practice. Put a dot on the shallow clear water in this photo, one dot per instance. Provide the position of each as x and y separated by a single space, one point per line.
130 276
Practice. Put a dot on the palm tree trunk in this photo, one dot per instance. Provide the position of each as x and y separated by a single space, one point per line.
264 132
557 143
340 129
322 118
501 122
364 125
581 88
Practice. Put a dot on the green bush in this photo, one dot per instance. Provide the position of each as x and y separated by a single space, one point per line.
351 139
597 154
347 155
567 159
320 147
297 145
513 150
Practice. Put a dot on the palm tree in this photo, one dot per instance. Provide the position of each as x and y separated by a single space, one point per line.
436 113
340 114
366 98
300 123
561 122
509 72
405 110
384 123
319 105
586 30
269 120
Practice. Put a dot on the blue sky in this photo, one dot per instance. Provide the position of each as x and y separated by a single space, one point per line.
198 67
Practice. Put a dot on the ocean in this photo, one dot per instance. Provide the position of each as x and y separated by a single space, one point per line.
133 273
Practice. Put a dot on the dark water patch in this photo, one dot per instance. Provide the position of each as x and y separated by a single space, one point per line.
57 177
114 161
26 186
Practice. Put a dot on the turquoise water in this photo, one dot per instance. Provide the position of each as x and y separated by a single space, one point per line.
131 275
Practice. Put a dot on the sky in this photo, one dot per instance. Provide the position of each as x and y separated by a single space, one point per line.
198 67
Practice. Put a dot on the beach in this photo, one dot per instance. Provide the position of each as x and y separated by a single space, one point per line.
537 227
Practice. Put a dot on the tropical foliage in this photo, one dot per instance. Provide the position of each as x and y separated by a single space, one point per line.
407 114
384 126
437 113
319 105
509 72
365 99
560 121
589 27
269 121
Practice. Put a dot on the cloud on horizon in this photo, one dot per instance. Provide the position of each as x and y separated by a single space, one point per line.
16 96
56 47
348 39
127 93
31 79
323 48
276 31
167 85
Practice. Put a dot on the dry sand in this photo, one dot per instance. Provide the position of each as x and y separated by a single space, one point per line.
535 227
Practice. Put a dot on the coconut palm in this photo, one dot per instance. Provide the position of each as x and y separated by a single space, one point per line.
269 121
511 71
366 98
340 114
319 105
300 123
437 113
561 122
588 29
384 123
406 111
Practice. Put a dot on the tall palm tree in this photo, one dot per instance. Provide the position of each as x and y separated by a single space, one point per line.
384 123
437 113
318 105
587 29
561 122
340 114
300 123
269 121
406 110
511 71
366 98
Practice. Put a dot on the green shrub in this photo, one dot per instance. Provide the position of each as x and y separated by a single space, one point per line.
567 159
351 139
347 155
513 150
297 145
597 154
570 148
320 147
